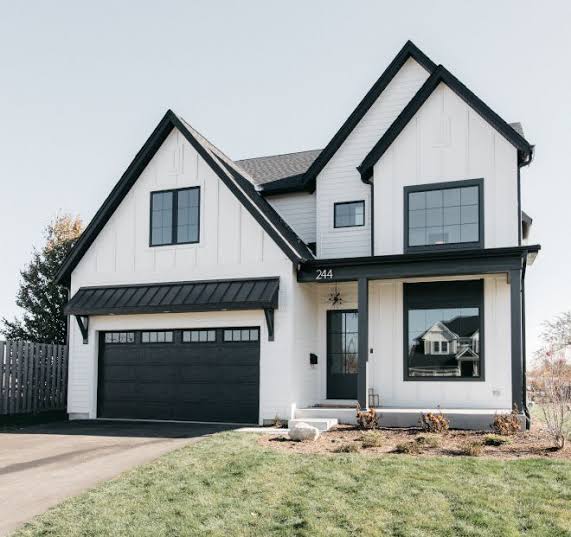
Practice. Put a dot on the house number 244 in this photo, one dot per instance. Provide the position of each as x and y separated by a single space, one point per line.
324 274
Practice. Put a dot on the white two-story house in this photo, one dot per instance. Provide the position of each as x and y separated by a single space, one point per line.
386 269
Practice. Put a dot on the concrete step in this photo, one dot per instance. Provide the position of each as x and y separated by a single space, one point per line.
321 424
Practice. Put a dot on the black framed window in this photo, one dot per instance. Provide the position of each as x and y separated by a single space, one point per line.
120 337
175 216
199 336
349 214
444 215
443 330
242 334
163 336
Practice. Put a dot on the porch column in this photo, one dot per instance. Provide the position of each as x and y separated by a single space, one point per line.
516 339
363 327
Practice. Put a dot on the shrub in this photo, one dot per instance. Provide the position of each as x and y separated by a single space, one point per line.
367 419
471 449
496 440
433 422
409 448
507 424
277 422
347 448
427 440
371 439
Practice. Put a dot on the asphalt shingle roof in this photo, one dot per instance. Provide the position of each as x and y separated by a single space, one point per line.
274 167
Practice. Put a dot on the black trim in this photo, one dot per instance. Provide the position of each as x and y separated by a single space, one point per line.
442 75
286 185
363 341
83 323
445 186
292 246
335 205
515 281
440 263
372 218
269 315
410 50
451 294
174 209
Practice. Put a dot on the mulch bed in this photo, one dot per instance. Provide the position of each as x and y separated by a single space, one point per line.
346 438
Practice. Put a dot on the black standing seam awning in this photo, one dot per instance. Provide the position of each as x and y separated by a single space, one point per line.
176 297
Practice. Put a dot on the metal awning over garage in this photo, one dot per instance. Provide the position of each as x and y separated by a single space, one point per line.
176 297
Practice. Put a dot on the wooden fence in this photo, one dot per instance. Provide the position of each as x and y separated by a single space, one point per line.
33 377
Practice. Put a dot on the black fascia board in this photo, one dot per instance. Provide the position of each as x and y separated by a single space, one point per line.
442 75
409 50
286 185
450 263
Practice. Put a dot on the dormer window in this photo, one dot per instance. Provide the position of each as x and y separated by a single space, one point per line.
175 216
444 215
349 214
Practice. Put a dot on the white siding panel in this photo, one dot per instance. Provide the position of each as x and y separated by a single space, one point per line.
340 181
386 364
298 210
447 141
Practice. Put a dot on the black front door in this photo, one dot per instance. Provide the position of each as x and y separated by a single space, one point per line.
342 354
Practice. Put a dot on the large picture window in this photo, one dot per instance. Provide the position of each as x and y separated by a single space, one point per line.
444 330
175 216
444 215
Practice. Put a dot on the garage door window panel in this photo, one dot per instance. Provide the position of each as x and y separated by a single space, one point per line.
157 337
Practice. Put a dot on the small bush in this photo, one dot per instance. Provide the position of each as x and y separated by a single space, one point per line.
471 449
506 424
496 440
367 419
427 440
433 422
409 448
347 448
372 439
277 422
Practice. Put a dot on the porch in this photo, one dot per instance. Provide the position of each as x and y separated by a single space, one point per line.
470 390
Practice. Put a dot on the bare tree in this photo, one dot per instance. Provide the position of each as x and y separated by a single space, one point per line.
552 378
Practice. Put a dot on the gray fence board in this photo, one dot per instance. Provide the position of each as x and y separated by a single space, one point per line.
33 377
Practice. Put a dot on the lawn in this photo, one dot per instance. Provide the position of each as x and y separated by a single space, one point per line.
229 485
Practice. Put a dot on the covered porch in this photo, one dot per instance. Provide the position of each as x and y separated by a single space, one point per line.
372 288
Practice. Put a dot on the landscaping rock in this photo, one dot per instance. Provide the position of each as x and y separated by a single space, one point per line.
302 431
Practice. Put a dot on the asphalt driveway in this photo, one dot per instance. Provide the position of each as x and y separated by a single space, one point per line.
43 464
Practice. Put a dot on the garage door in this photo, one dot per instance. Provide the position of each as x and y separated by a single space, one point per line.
195 375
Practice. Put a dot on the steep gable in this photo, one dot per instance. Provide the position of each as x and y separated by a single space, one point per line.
226 170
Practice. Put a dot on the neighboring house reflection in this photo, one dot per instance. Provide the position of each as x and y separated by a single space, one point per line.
448 348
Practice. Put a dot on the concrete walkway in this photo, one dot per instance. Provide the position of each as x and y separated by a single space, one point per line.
43 464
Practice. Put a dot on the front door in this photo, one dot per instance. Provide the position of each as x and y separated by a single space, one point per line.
342 354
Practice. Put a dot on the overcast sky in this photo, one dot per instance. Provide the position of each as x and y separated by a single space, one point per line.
83 84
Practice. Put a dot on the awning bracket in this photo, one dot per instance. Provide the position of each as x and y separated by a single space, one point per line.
269 313
83 323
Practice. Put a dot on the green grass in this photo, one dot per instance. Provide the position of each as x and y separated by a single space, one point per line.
227 485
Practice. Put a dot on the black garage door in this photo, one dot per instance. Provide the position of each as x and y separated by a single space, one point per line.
195 375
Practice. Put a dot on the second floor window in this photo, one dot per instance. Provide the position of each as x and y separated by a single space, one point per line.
349 214
175 216
444 215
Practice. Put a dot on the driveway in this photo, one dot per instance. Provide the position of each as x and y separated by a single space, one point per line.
43 464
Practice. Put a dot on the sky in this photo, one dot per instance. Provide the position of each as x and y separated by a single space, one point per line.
82 85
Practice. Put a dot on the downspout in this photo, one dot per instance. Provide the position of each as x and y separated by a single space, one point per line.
523 348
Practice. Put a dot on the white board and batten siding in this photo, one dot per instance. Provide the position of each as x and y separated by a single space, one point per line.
298 210
447 141
340 181
232 245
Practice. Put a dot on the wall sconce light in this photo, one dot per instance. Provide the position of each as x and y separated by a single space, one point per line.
312 359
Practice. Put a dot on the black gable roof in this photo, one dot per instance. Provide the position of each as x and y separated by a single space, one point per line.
463 326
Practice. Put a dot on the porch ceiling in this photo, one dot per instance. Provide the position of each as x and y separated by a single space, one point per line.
449 263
